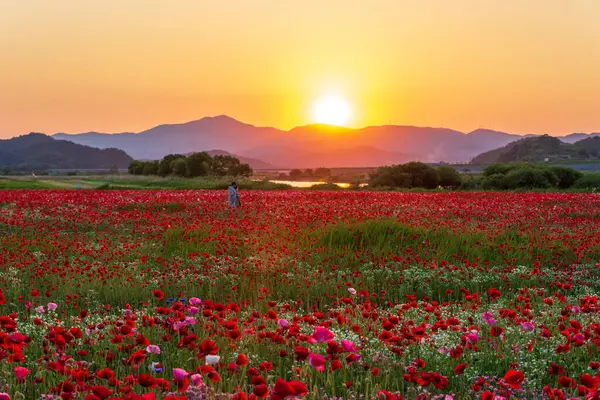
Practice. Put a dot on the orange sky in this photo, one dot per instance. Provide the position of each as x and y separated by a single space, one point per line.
126 65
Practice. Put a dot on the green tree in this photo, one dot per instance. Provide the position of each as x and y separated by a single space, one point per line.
225 165
590 180
243 170
529 178
412 174
494 181
150 168
322 173
449 177
179 167
391 176
198 164
135 167
164 167
295 174
422 175
566 176
500 168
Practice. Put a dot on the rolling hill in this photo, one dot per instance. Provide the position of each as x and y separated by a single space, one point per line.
541 148
307 146
37 151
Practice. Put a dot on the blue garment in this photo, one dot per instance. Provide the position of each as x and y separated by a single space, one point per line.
233 198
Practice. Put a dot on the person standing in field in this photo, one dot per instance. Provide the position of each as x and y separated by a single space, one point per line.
233 196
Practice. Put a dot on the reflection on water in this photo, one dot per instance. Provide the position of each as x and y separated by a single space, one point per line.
300 184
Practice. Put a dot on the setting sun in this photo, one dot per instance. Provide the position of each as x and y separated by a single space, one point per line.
331 110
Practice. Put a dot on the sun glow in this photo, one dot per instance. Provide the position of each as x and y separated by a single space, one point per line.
331 110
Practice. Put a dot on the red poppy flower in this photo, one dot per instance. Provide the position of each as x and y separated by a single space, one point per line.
460 369
514 378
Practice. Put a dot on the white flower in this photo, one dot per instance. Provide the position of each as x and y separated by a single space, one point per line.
212 360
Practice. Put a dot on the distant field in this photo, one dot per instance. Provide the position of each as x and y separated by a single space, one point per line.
579 165
130 182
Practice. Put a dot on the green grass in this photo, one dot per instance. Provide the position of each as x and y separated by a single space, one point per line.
137 183
384 238
23 184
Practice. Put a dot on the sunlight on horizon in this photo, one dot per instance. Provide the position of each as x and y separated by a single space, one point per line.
332 110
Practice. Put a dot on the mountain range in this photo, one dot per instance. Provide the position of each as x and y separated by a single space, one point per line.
543 148
309 146
37 151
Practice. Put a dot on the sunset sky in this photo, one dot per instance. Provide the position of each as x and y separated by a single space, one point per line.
126 65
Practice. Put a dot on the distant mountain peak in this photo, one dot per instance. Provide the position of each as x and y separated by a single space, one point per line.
484 130
224 117
320 128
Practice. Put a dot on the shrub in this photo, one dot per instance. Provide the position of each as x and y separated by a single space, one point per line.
590 180
566 176
499 168
449 177
470 182
494 181
179 167
529 178
410 175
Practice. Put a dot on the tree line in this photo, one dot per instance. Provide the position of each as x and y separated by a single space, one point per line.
501 176
193 165
415 175
309 173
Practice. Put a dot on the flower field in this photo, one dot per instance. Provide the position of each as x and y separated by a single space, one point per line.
299 295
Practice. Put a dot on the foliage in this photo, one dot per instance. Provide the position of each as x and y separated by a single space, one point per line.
493 182
501 168
449 177
529 178
143 167
224 165
198 164
409 175
514 176
194 165
179 167
566 177
589 180
296 174
165 166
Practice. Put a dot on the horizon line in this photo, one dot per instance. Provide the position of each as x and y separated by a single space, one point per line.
300 126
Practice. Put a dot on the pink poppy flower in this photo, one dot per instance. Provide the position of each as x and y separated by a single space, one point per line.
316 361
153 349
283 323
348 346
21 373
194 301
322 334
179 374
